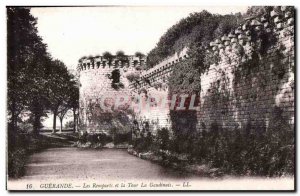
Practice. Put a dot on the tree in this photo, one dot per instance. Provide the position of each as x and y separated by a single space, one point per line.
27 63
133 77
139 54
36 82
70 102
107 55
120 54
254 11
57 88
70 124
74 100
197 27
63 109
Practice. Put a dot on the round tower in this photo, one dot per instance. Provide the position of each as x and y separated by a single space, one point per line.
101 81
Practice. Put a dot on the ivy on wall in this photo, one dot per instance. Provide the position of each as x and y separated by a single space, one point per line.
185 77
115 77
200 27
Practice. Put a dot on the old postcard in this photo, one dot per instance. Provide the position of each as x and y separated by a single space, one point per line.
115 98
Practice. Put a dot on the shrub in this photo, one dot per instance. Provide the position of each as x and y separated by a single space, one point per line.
16 162
162 138
122 137
92 138
246 151
131 77
17 153
145 144
121 55
139 54
83 137
107 55
197 27
251 152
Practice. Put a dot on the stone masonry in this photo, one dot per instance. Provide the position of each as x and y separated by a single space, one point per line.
243 89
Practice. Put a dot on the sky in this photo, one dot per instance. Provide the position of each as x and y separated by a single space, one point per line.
73 32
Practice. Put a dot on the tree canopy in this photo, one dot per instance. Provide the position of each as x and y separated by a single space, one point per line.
36 82
197 27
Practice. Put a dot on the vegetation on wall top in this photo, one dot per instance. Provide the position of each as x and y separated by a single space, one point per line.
197 27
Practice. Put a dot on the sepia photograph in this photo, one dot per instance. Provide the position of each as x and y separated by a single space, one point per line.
150 98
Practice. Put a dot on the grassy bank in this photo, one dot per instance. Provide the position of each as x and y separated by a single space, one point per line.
216 153
102 140
179 162
21 146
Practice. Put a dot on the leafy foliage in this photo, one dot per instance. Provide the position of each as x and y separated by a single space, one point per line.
115 77
139 54
185 77
184 130
36 82
197 27
27 64
132 77
62 90
107 55
253 149
120 54
196 32
257 10
246 151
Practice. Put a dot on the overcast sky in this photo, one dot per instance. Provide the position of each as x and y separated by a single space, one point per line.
71 33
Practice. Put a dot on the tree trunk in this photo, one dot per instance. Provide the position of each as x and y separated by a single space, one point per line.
74 119
36 124
61 124
54 121
14 116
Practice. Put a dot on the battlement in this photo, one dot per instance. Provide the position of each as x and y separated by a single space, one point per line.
161 71
264 89
249 75
168 62
279 21
100 62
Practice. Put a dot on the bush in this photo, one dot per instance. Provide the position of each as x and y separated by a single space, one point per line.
122 137
145 144
163 139
196 28
251 150
16 162
83 137
94 139
17 153
132 77
120 54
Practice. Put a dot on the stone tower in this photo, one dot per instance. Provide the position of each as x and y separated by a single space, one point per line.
100 77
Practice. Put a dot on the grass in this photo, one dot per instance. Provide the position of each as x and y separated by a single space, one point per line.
21 146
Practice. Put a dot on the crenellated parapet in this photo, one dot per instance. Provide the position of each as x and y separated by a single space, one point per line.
279 21
100 62
249 88
160 72
253 74
99 77
247 96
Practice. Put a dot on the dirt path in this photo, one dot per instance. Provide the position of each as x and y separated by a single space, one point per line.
88 166
58 163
